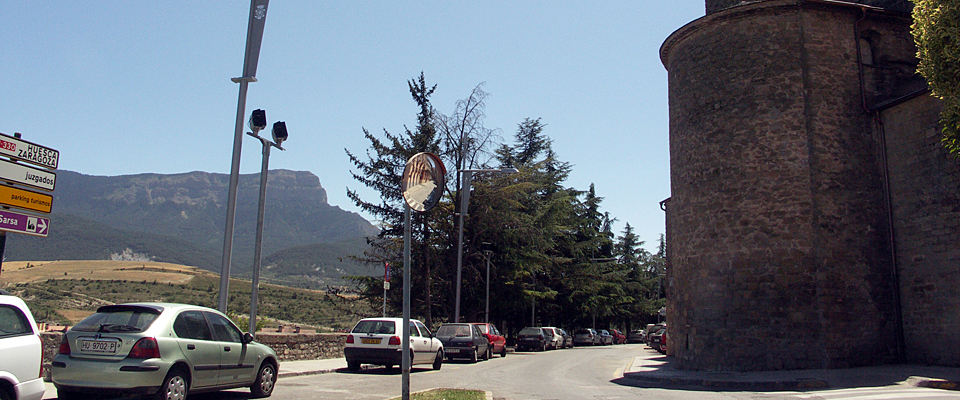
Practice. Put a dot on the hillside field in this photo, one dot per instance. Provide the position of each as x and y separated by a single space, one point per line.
63 292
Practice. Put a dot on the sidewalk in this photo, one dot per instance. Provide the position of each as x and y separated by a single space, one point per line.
656 370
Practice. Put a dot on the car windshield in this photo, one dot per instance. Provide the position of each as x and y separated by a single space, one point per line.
118 320
375 326
530 331
454 330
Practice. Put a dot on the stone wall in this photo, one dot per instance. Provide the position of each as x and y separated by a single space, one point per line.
288 346
925 182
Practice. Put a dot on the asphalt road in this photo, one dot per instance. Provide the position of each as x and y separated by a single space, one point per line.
578 373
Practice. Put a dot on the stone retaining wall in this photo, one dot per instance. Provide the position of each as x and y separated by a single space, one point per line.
289 346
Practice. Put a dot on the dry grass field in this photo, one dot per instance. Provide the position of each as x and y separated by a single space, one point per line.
64 292
35 271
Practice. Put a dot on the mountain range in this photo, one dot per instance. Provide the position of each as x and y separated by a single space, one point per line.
179 218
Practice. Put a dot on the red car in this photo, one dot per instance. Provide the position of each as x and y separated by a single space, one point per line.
497 341
618 337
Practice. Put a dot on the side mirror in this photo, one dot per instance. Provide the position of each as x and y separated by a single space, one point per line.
247 337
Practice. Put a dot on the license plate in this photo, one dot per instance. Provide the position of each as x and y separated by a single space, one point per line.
99 346
452 351
370 341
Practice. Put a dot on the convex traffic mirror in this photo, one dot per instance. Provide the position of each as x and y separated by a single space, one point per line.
423 181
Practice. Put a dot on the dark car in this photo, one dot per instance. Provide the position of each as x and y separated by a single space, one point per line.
464 341
531 338
636 336
586 337
497 342
652 332
618 337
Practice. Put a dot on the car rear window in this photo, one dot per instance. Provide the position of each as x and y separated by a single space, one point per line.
582 332
376 327
531 331
118 319
454 330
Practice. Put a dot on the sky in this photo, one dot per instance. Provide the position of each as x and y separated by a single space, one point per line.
131 87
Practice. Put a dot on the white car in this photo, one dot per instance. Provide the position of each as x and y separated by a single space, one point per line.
556 341
21 374
377 341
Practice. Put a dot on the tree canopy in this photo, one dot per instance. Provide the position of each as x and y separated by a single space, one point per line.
936 31
550 249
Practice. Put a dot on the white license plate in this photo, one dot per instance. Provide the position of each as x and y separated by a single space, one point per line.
99 346
452 351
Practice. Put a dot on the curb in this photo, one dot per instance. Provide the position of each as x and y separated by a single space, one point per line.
729 385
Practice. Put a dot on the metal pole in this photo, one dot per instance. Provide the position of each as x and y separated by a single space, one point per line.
464 203
257 19
255 284
486 315
232 197
405 341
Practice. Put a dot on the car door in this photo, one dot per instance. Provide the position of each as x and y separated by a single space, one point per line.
237 365
484 346
197 344
423 349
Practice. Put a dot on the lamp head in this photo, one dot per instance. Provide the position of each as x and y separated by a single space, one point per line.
279 132
258 120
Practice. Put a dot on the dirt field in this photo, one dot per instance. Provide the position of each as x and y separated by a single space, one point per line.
30 271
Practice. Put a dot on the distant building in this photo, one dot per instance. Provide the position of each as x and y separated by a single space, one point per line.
814 218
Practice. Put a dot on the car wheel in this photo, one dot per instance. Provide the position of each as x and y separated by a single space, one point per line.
353 366
543 347
503 353
438 362
489 353
388 366
174 386
266 380
473 356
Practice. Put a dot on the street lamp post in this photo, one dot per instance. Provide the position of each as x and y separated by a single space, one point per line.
279 135
464 203
486 314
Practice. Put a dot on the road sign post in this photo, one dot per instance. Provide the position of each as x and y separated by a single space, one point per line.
15 173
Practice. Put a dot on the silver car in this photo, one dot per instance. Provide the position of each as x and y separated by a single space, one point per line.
161 350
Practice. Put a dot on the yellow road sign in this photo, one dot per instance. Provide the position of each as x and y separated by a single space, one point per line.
26 199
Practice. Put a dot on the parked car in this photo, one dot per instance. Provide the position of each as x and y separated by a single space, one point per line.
21 368
653 339
567 339
532 338
586 337
605 337
661 344
464 341
554 337
651 332
618 337
162 350
497 341
636 336
377 341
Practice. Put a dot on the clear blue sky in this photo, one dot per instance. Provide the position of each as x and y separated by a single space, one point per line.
129 87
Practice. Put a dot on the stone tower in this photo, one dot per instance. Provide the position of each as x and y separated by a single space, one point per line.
781 222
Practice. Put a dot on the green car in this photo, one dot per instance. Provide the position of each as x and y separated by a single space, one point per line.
160 350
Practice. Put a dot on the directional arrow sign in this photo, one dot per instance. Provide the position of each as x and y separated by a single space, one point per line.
26 175
23 223
30 152
26 199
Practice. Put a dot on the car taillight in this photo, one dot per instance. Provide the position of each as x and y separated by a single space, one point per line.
349 338
394 340
541 337
145 348
64 346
